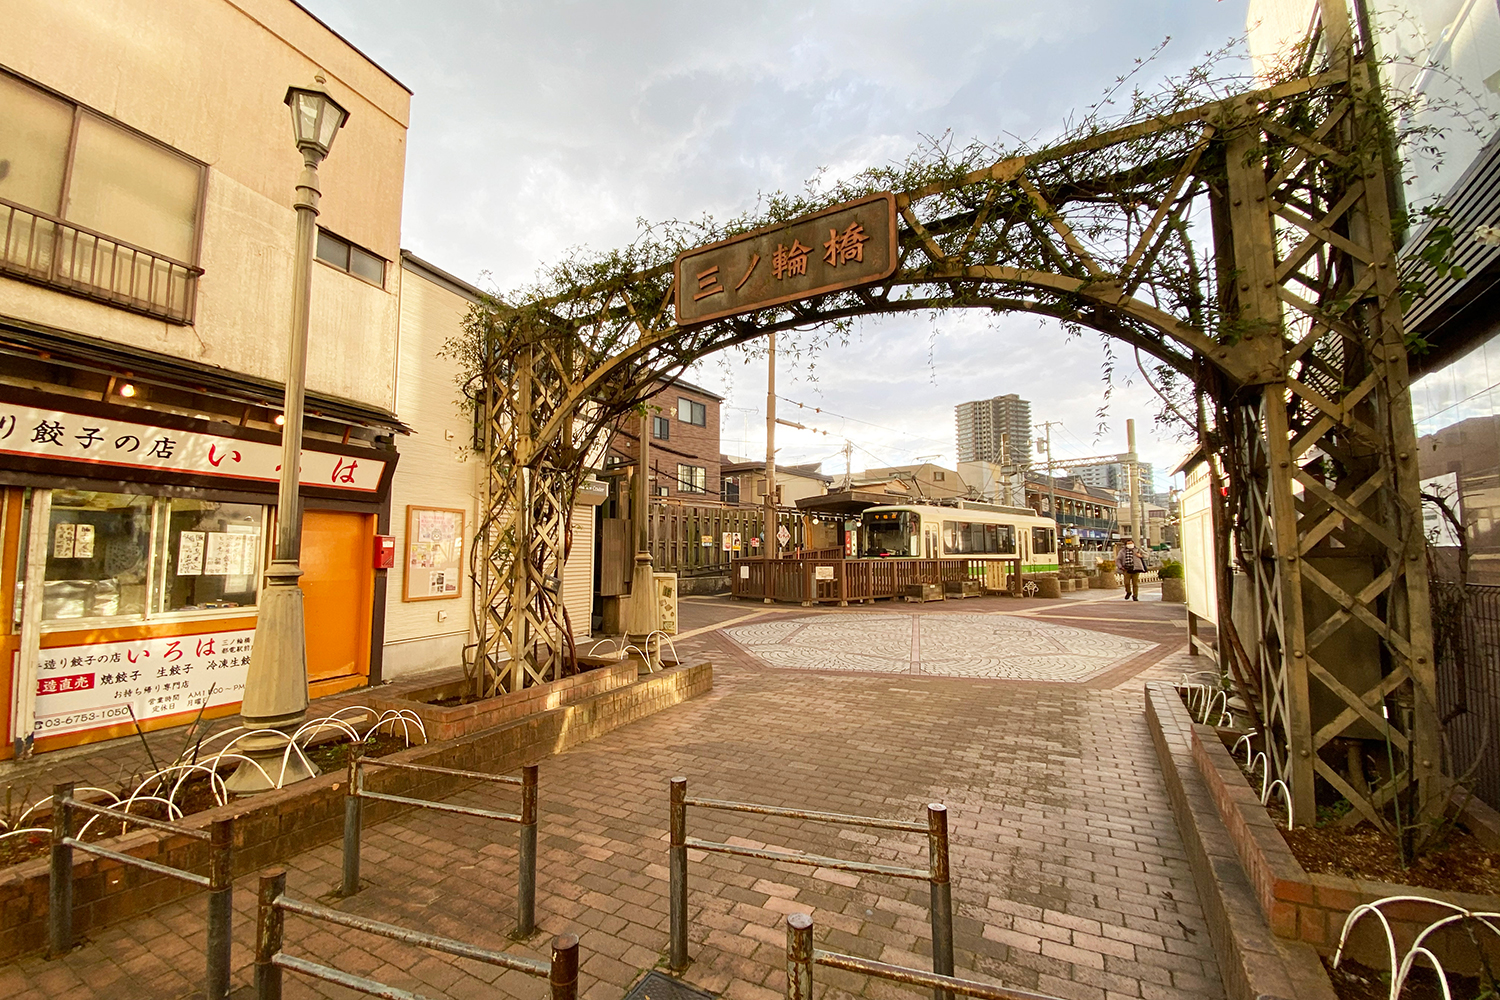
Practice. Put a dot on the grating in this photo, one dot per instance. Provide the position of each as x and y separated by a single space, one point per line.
656 986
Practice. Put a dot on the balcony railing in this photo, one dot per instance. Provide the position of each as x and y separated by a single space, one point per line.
47 251
1080 521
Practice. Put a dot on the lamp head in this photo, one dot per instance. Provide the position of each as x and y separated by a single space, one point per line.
316 117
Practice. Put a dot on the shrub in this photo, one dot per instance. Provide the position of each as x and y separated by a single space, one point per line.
1171 569
1106 565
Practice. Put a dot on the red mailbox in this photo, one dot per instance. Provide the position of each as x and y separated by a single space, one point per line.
385 551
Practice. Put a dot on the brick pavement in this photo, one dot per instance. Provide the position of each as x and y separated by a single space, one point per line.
1069 877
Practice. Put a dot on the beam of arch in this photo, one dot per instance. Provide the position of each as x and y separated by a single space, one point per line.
1244 243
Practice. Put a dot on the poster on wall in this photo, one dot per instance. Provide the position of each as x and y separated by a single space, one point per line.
434 553
93 686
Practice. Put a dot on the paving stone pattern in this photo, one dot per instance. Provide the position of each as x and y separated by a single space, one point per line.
1069 877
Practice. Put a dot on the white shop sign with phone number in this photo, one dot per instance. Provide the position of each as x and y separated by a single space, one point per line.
88 687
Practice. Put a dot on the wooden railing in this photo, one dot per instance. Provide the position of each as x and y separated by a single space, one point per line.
814 580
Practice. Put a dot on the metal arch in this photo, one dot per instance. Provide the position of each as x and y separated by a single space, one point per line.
1295 334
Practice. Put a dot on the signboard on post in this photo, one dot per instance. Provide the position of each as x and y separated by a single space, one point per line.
842 247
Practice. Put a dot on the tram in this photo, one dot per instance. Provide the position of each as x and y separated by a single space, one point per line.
968 530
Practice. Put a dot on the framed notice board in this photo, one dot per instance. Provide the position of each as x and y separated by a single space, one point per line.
434 554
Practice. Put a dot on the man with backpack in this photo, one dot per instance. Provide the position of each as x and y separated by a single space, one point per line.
1132 564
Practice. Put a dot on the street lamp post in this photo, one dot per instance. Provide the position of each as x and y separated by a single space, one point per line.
276 685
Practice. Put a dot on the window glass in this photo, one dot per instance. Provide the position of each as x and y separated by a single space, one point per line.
367 266
661 428
690 412
131 189
692 478
34 132
211 555
98 555
333 250
1042 540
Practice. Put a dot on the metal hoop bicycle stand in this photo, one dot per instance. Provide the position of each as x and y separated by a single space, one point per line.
937 874
526 868
561 972
219 881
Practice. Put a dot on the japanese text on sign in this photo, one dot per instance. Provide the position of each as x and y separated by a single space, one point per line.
88 687
54 434
842 247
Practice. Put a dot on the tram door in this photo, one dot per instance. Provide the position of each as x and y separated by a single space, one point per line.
930 540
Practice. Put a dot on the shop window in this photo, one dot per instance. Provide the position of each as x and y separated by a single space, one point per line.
98 555
94 208
126 556
212 555
347 257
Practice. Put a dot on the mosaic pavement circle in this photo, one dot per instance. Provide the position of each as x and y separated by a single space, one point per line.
1000 647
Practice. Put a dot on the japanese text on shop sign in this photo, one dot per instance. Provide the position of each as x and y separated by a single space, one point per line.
54 434
87 687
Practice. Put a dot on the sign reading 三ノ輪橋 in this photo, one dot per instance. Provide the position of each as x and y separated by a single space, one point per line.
91 686
841 247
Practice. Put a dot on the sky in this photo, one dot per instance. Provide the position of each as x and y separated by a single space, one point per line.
539 128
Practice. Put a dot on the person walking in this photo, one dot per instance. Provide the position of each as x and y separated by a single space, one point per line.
1132 565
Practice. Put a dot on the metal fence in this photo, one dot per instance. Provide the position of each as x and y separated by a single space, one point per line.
801 956
356 793
219 881
561 973
936 875
1468 681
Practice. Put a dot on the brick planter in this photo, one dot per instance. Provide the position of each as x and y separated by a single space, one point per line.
1312 908
276 825
450 722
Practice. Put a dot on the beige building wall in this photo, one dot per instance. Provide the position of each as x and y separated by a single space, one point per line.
438 469
208 79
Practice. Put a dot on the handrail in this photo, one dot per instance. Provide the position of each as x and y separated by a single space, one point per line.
219 881
356 793
937 874
59 221
561 972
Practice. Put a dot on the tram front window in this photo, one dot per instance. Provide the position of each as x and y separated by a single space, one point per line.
889 533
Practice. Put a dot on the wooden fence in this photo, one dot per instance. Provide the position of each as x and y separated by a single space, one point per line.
812 580
688 539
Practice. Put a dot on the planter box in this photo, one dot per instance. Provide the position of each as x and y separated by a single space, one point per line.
921 592
1174 591
450 722
962 588
1311 908
273 826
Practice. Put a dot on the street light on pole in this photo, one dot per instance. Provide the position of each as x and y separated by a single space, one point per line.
276 685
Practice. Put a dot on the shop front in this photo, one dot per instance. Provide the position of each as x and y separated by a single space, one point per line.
132 546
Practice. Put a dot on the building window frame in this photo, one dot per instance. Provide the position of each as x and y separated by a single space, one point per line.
692 478
60 253
343 255
690 411
661 428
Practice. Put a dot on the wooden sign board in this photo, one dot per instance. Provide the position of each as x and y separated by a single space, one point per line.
842 247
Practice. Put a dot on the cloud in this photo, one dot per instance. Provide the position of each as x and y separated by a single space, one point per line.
536 128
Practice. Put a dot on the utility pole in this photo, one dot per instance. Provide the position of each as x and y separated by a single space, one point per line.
1051 478
768 543
848 464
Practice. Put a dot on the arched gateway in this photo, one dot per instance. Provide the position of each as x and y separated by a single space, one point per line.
1289 329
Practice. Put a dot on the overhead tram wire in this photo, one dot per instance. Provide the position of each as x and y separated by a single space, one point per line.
867 423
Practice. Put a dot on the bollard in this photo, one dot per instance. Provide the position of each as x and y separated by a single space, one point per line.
526 876
799 956
563 976
220 908
353 819
268 927
677 959
942 895
60 886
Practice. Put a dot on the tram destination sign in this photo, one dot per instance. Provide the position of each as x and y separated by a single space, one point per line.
841 247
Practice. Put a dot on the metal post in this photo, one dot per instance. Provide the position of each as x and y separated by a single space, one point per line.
563 976
268 924
220 908
526 877
942 895
799 956
353 821
677 882
60 888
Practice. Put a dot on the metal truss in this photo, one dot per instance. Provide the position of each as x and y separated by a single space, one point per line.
1287 325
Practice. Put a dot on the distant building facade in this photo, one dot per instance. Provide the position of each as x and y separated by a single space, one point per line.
994 430
1112 476
682 420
